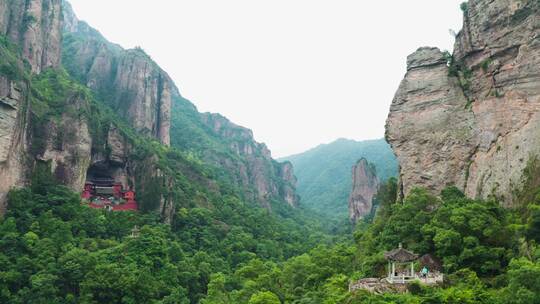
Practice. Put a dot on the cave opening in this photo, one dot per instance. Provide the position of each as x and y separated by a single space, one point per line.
107 187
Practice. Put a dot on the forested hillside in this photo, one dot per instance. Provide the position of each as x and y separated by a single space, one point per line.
324 172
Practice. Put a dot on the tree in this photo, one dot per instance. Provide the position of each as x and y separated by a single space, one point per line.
264 297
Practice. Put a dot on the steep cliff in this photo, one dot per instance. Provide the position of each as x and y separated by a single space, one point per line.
251 163
129 80
29 36
101 116
52 123
35 26
365 185
139 90
472 120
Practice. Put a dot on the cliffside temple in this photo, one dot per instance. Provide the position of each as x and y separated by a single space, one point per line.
105 193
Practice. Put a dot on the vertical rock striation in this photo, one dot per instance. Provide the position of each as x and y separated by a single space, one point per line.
35 26
365 185
254 169
475 123
129 80
48 119
13 117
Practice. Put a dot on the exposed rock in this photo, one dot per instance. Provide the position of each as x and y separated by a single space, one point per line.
288 189
424 57
13 145
267 178
68 146
365 185
117 146
36 26
429 127
129 80
377 286
477 130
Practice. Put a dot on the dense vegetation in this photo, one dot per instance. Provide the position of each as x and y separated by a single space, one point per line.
324 172
489 255
55 250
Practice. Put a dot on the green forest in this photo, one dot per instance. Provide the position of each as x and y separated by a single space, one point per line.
55 250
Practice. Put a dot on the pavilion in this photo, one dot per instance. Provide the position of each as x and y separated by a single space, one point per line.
400 265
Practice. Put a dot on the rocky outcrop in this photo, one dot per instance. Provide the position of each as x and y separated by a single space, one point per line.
35 26
254 169
474 123
365 185
288 188
129 80
429 126
13 117
49 119
68 145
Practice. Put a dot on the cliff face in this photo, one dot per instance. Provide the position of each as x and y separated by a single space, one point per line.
35 26
364 187
12 136
49 120
129 80
254 169
45 116
474 123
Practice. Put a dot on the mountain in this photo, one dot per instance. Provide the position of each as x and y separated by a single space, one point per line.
76 103
157 109
76 109
324 172
472 118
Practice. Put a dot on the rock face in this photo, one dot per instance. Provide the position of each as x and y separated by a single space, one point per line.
255 170
12 136
129 80
68 145
35 26
476 123
75 137
365 186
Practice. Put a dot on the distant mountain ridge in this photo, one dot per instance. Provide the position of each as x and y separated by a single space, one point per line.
324 172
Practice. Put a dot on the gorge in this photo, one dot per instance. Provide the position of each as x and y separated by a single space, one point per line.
206 215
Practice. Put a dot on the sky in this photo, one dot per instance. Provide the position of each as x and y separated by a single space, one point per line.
299 73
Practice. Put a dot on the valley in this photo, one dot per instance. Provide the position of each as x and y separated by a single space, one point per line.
115 188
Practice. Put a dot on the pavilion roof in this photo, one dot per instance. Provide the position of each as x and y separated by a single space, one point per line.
400 255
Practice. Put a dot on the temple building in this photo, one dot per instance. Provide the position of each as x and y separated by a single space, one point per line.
105 189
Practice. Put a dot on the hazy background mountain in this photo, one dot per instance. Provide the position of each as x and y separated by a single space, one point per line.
324 172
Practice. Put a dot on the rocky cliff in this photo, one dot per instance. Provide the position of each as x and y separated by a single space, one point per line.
129 80
365 185
89 120
50 121
35 26
30 35
253 169
472 119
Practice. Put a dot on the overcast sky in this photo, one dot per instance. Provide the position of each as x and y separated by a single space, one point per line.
297 72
